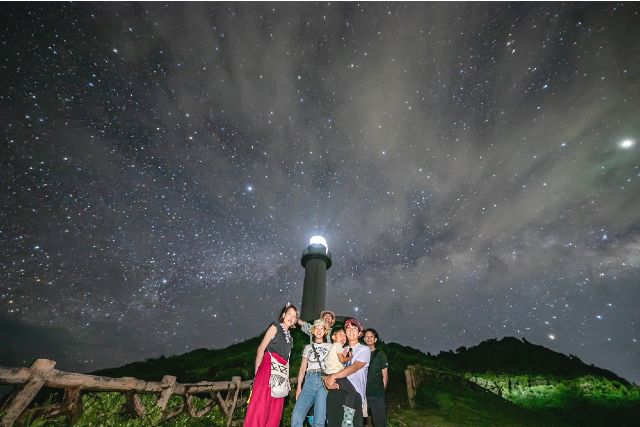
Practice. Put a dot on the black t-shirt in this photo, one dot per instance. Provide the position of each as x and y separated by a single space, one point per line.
375 385
281 343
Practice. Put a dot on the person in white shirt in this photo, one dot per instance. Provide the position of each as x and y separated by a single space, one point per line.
356 373
313 392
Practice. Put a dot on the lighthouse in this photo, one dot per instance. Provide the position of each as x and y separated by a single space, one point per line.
316 260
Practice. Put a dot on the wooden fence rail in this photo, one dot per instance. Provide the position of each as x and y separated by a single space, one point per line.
29 381
416 374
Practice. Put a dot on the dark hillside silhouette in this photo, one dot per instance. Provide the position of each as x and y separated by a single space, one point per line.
508 355
513 356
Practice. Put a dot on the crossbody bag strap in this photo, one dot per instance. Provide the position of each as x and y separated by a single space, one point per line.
313 347
284 364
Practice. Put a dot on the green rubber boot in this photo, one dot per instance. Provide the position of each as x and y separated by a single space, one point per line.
347 418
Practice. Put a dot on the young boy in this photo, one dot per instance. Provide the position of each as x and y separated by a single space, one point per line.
334 363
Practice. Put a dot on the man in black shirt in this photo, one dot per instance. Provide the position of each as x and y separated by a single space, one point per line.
377 379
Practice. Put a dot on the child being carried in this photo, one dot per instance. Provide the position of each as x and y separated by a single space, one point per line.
336 358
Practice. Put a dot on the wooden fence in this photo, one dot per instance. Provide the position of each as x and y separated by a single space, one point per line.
29 381
416 374
225 394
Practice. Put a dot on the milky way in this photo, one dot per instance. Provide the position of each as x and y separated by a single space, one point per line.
475 169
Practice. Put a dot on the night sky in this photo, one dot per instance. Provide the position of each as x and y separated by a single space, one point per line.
475 169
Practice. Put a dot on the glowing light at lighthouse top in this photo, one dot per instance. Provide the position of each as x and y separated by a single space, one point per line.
627 143
319 240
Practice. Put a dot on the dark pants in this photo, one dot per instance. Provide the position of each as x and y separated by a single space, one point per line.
378 410
335 412
350 391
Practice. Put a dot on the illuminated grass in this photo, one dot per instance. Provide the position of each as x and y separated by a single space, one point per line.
539 391
106 410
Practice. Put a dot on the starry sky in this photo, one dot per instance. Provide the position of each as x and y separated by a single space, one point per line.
475 169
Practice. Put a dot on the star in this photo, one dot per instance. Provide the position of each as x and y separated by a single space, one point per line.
457 193
627 143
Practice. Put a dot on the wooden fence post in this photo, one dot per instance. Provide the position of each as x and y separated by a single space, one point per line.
411 387
134 404
73 404
236 381
16 406
168 385
174 412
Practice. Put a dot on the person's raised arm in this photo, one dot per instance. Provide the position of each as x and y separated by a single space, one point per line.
305 326
301 372
268 336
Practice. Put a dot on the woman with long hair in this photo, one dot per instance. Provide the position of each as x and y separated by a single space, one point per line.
265 410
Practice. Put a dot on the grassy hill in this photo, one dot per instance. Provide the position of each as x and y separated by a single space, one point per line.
196 365
507 382
514 382
447 402
513 356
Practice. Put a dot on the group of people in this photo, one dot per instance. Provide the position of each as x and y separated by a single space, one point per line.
341 378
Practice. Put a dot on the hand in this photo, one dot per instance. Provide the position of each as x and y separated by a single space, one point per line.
298 391
330 381
347 353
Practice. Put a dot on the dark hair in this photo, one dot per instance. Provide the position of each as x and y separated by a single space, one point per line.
337 329
284 311
354 322
374 332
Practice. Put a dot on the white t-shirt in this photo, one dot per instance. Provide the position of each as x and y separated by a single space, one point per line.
321 349
361 353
